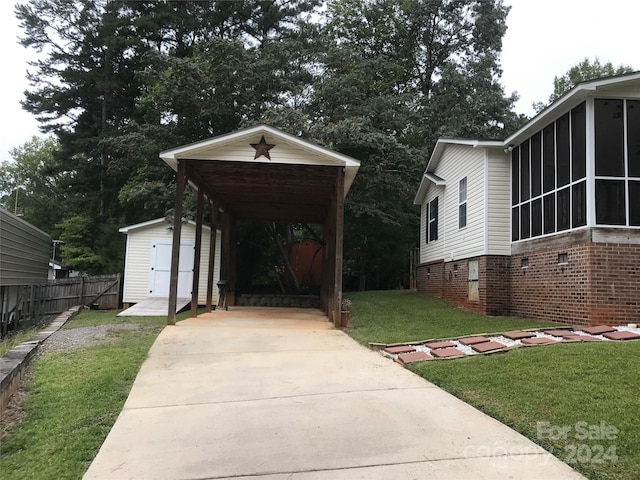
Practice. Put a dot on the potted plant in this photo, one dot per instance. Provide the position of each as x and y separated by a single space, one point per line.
345 311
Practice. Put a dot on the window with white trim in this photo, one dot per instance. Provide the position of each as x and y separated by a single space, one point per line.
431 221
462 203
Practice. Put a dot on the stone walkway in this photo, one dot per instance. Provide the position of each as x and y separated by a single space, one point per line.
411 352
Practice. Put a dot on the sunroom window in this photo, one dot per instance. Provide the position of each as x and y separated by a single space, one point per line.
617 161
549 178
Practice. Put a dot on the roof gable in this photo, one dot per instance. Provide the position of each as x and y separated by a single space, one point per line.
429 177
621 85
154 224
627 85
287 149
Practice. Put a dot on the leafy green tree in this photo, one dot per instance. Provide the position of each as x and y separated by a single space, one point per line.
380 80
396 76
30 185
89 244
583 71
83 87
93 89
77 233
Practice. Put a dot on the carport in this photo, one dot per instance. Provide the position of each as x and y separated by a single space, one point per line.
261 174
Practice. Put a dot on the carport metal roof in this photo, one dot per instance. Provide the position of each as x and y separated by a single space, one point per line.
295 184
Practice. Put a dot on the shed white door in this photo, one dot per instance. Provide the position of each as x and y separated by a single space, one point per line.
159 279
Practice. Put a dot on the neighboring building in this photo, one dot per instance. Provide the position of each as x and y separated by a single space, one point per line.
545 224
24 261
58 270
148 261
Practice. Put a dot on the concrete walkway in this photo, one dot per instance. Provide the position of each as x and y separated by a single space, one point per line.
279 394
153 307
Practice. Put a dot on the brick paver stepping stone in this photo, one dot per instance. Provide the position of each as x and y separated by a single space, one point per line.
600 329
400 349
518 335
405 358
621 335
581 338
447 353
559 333
472 340
537 341
434 345
485 347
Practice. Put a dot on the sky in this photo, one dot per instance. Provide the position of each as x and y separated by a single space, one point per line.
544 39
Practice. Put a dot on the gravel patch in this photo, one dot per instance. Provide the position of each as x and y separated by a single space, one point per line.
75 338
505 341
546 335
466 349
629 329
585 334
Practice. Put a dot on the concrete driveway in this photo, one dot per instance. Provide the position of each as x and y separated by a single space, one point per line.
275 394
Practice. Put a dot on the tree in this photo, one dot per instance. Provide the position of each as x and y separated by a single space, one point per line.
101 87
583 71
84 87
380 80
396 76
90 246
30 185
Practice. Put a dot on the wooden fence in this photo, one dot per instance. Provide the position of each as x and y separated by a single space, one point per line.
62 294
35 301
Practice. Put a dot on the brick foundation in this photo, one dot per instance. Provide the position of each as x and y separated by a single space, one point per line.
430 278
495 285
599 284
547 290
450 281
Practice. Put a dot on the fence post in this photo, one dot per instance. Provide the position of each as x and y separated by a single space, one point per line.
81 302
32 298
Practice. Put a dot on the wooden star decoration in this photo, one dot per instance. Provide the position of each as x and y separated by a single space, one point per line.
262 148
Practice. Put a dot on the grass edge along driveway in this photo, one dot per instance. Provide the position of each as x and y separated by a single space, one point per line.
579 401
74 397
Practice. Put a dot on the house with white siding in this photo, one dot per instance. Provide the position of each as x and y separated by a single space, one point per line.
465 221
546 223
148 261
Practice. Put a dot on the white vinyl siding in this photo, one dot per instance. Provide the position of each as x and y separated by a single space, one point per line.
488 223
499 203
139 257
459 161
432 250
281 153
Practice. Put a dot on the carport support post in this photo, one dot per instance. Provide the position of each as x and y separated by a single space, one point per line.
339 233
181 180
213 214
227 256
196 257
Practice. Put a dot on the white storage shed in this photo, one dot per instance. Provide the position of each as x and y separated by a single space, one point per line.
148 261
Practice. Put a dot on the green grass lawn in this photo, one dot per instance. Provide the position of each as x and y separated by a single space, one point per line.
16 338
537 391
73 399
404 316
